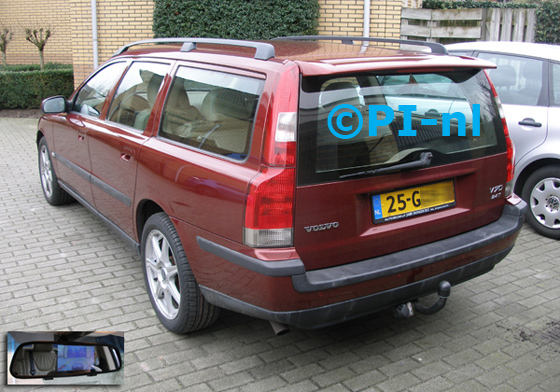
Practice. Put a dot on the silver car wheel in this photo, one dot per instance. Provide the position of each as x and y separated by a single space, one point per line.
161 270
545 202
46 172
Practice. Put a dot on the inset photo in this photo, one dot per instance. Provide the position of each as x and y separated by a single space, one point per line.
65 358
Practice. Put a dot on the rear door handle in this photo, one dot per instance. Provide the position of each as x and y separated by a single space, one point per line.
127 154
529 122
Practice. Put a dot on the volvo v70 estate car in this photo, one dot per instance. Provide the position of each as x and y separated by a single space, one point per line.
301 180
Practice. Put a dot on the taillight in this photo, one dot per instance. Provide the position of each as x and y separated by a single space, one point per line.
509 144
280 138
510 160
269 214
269 210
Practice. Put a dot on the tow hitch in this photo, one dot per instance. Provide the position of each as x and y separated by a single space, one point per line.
404 311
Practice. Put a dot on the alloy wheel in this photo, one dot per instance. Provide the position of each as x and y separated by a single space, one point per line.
162 274
46 172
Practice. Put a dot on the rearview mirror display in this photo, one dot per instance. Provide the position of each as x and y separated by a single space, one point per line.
65 358
49 360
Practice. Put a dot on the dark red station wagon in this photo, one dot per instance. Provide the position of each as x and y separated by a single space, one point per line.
302 180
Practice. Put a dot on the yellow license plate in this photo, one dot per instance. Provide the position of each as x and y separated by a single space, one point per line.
413 201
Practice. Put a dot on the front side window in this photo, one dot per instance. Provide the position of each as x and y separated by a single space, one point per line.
518 80
212 111
137 94
92 96
362 125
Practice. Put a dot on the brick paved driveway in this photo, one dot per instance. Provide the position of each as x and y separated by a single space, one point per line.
62 269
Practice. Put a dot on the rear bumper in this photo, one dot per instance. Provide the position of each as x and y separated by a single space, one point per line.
468 251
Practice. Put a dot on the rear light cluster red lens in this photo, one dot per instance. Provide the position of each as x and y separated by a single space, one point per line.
269 212
509 144
280 138
270 199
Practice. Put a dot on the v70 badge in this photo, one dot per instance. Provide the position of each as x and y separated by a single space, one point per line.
496 191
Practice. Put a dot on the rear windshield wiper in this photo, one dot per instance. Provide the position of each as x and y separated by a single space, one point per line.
423 161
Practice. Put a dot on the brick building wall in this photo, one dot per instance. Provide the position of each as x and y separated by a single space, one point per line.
345 17
118 22
82 47
341 17
386 18
19 14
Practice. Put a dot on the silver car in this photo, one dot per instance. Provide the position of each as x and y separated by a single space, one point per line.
528 83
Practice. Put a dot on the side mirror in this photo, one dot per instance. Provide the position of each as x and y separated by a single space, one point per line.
48 360
54 105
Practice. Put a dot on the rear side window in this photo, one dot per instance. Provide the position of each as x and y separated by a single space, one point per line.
361 125
212 111
518 80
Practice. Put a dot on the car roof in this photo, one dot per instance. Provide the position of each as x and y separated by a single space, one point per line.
318 57
544 51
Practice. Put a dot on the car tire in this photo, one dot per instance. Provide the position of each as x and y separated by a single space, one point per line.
54 194
541 191
170 282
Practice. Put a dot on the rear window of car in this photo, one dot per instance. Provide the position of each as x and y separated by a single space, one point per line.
211 111
352 126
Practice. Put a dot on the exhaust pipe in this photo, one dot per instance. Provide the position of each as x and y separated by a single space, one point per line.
405 311
279 329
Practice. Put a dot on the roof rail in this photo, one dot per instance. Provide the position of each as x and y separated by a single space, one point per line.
435 47
264 51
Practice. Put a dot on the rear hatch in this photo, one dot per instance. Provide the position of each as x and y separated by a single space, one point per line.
392 160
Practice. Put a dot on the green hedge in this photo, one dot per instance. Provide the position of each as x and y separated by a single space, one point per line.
448 5
548 28
26 90
32 67
236 19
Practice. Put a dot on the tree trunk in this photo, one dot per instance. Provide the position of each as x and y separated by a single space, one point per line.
41 60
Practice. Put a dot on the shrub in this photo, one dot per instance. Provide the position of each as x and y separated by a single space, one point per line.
26 89
237 19
548 29
33 67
